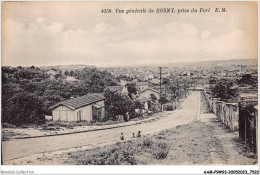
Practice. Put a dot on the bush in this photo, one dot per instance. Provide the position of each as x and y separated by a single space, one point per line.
7 125
123 153
118 154
160 150
147 142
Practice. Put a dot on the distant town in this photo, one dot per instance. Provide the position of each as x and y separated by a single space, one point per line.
66 99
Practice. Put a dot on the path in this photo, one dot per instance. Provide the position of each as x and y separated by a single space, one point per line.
27 147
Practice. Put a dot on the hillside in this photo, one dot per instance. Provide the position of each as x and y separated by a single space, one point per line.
200 63
68 67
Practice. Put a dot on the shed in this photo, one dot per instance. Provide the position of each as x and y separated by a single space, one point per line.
84 108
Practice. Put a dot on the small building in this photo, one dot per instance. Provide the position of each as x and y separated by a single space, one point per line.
155 81
150 76
200 82
71 79
85 108
144 102
147 93
122 90
141 86
123 82
51 72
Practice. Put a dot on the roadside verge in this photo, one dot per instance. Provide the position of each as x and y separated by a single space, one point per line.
93 128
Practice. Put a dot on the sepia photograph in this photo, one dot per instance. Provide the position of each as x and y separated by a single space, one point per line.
129 83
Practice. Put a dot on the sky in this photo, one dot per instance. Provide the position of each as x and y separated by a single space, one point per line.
62 33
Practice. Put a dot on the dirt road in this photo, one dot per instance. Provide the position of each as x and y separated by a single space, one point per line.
25 147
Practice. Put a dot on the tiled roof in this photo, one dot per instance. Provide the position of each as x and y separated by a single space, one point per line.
144 99
141 83
76 103
117 89
201 81
150 90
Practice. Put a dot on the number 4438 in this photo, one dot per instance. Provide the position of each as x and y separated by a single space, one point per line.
106 11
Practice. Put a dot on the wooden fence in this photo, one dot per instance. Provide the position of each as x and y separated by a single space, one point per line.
227 113
248 127
236 117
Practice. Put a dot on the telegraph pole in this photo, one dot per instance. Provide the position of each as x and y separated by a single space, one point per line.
160 68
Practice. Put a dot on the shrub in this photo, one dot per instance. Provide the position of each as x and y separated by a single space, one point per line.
160 150
114 156
7 125
147 142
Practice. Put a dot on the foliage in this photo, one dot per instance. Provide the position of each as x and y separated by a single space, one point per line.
163 99
125 153
247 79
161 150
224 91
27 92
147 142
166 81
153 97
131 89
115 104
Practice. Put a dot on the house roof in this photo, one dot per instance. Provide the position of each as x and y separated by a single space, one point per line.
141 83
150 90
79 102
201 81
144 99
115 88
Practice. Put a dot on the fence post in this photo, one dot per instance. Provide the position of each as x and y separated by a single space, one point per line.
256 125
240 121
245 127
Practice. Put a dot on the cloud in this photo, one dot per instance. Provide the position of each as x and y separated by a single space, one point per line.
40 20
93 38
205 34
55 27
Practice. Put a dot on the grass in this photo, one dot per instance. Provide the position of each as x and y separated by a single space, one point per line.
122 153
57 125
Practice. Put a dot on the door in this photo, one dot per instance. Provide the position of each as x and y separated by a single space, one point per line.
79 116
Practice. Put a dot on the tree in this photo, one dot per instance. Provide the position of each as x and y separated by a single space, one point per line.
166 81
163 99
26 102
66 73
224 91
22 107
60 72
153 97
173 89
72 73
57 76
247 79
115 104
131 89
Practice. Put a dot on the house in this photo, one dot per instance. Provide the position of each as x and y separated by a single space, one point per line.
118 89
150 76
200 82
84 108
123 82
51 72
147 93
71 79
155 81
144 102
162 89
140 86
248 96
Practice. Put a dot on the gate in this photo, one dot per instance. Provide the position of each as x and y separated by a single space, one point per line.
248 127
